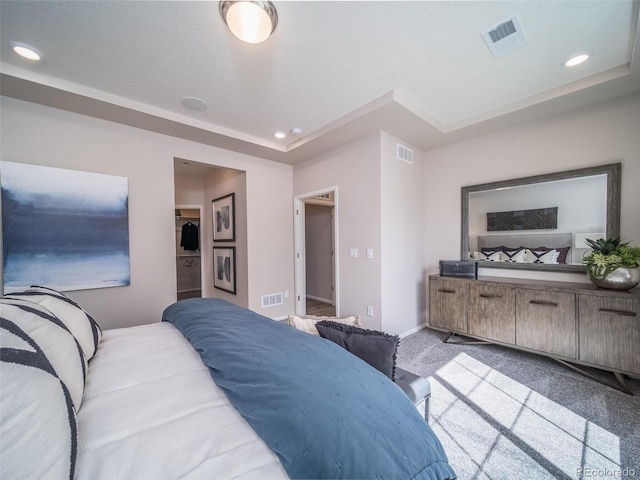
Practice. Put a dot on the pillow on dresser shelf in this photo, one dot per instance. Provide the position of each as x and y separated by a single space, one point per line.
307 323
376 348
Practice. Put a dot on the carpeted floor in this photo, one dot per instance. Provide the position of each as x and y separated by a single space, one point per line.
505 414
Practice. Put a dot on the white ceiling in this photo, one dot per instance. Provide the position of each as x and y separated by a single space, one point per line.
338 70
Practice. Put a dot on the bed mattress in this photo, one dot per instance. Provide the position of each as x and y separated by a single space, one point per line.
152 411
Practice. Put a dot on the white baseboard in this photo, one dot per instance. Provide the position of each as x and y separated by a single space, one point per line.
323 300
413 330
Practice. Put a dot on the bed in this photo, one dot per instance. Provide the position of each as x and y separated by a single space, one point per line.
545 248
214 391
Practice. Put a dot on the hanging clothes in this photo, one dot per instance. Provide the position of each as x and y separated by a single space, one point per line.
190 240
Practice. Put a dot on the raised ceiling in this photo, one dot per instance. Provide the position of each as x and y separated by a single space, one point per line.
337 70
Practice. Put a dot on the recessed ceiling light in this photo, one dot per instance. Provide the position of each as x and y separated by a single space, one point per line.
279 135
577 60
26 51
194 103
296 131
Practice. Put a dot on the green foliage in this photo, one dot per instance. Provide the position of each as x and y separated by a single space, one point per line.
609 254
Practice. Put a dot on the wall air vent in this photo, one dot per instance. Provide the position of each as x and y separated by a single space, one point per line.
271 300
405 154
505 36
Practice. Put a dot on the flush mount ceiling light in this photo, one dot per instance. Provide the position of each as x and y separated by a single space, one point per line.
279 135
576 60
250 21
26 51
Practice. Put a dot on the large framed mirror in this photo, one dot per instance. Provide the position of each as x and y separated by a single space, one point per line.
540 222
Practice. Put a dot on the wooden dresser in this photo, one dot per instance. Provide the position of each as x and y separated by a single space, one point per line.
574 323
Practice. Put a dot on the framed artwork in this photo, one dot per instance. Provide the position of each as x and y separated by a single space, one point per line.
64 229
224 218
224 269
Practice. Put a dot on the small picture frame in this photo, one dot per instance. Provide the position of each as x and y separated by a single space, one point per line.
224 269
224 218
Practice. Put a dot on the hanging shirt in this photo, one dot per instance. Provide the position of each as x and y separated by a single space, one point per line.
190 240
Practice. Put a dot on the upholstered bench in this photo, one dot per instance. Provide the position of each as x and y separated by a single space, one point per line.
417 388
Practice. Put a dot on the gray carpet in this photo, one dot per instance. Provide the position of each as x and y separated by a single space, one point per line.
505 414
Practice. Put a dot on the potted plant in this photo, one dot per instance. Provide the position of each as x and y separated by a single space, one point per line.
612 264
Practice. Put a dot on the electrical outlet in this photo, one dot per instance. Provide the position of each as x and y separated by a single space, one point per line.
353 252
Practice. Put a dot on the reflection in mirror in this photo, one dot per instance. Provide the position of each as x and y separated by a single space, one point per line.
541 222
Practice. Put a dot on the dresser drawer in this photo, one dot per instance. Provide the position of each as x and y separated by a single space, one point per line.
448 304
546 321
492 312
610 331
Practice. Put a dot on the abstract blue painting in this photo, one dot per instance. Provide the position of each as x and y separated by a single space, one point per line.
63 229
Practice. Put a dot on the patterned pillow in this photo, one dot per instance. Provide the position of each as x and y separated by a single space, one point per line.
307 323
38 425
79 322
376 348
542 256
54 339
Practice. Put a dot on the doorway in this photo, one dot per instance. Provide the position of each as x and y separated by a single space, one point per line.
316 244
188 259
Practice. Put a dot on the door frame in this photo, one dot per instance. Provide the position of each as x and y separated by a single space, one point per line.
202 250
300 249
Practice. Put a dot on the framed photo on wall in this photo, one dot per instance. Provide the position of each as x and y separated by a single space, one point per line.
224 218
224 269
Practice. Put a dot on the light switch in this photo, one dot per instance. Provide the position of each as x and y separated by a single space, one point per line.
353 253
369 253
370 311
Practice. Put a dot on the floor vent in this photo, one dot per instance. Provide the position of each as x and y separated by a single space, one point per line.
505 36
271 300
405 154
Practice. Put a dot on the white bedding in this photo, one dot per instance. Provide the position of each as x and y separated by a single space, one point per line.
152 411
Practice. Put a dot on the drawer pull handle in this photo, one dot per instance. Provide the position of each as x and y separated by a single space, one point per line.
486 295
543 302
618 312
444 290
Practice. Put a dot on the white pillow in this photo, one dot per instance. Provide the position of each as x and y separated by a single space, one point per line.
79 322
38 425
516 256
51 336
307 323
492 257
550 256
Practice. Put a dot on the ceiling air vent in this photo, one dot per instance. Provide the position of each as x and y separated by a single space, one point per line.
405 154
505 36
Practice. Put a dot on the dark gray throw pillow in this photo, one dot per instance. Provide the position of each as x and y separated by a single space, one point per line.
376 348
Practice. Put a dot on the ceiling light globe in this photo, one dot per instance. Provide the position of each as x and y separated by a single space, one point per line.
251 22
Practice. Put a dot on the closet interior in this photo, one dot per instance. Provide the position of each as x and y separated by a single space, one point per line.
188 253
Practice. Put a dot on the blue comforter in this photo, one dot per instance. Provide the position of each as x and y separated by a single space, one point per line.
323 411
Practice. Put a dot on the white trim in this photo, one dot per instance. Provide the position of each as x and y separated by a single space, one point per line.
319 299
299 249
413 330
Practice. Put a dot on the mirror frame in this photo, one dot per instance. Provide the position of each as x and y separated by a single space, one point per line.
613 173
